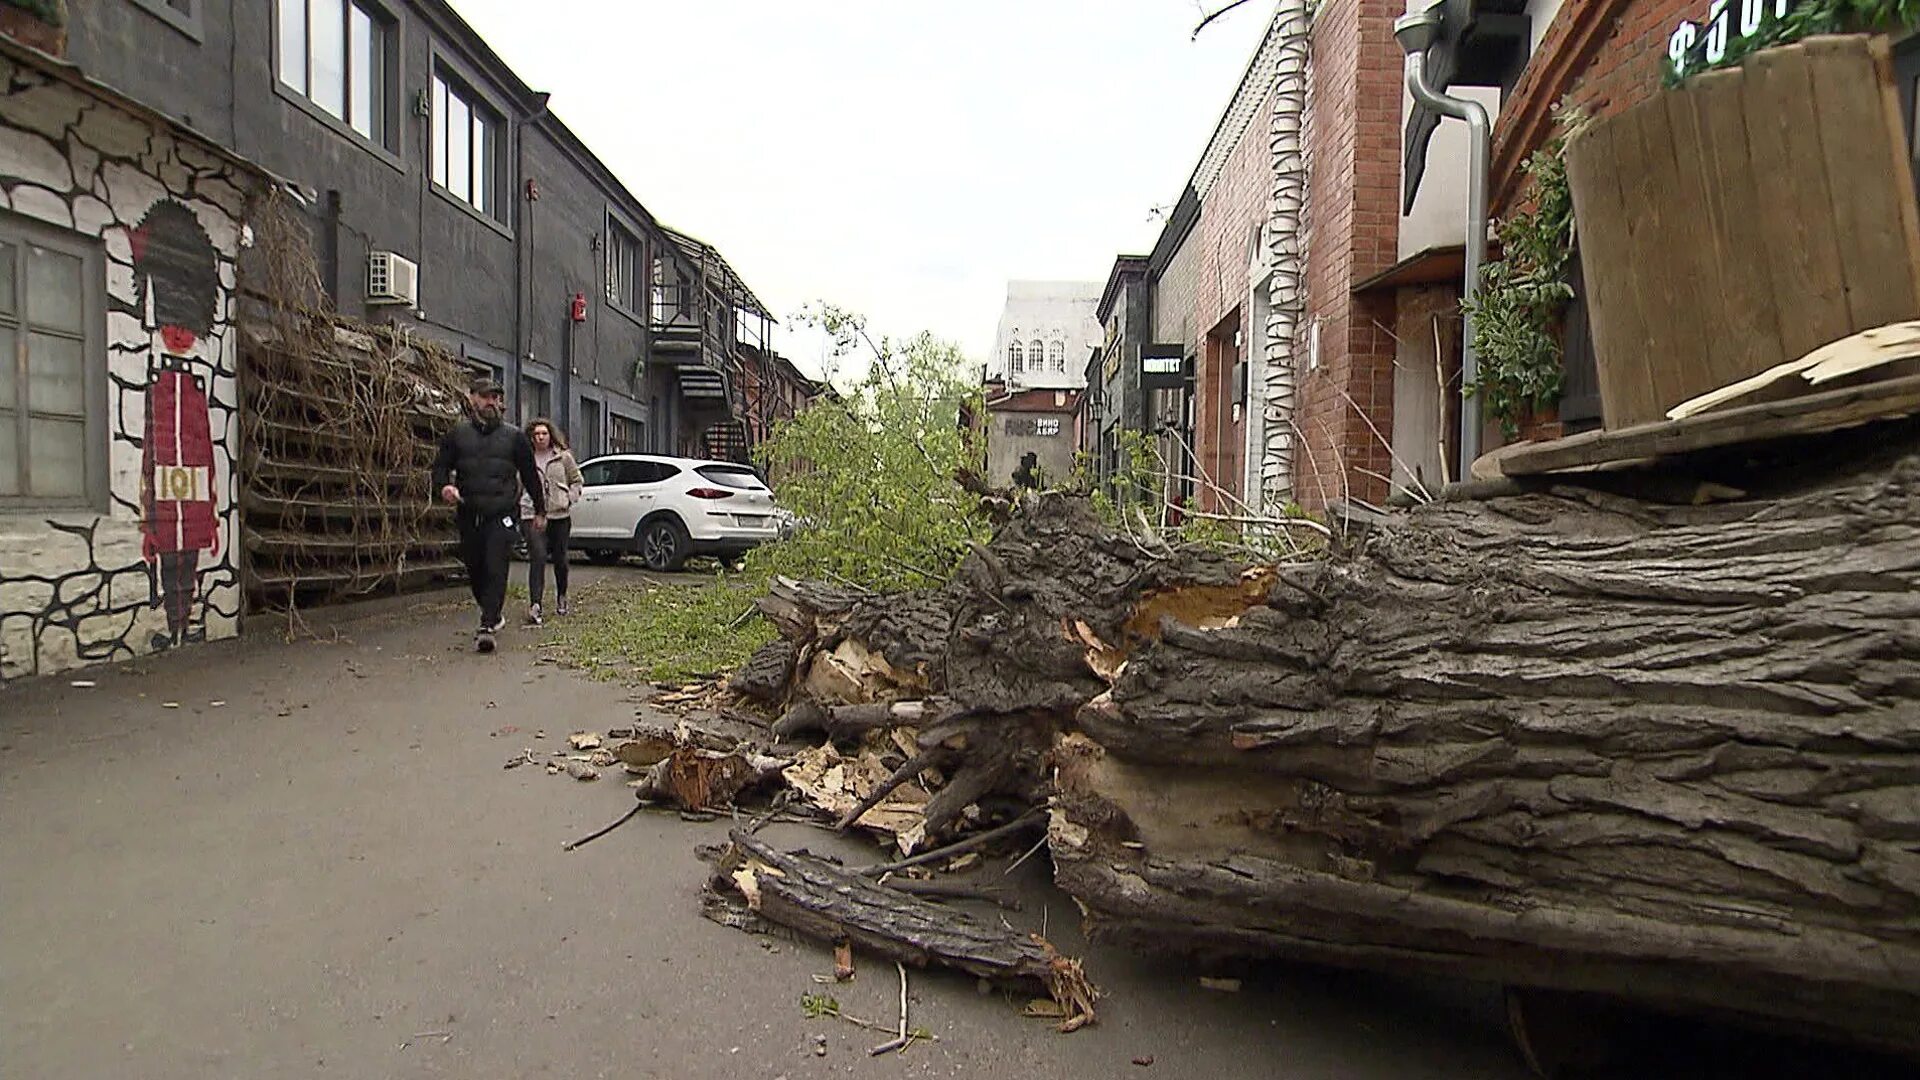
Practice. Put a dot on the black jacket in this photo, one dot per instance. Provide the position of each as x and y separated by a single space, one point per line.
489 465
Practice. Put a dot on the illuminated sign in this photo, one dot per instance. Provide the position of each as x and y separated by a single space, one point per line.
1163 367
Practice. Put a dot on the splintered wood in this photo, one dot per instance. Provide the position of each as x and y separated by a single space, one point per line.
829 904
1564 739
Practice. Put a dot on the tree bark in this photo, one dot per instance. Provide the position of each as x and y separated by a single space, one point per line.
823 901
1564 739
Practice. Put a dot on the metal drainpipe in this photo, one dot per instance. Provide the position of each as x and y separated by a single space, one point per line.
1415 32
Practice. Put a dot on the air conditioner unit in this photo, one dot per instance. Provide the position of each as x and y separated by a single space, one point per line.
392 279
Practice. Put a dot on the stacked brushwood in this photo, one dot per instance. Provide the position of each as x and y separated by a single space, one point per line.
1562 738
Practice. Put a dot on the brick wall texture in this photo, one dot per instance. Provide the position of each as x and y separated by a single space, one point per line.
1231 209
1345 411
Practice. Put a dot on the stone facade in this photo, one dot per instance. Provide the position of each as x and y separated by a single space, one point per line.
151 565
1058 317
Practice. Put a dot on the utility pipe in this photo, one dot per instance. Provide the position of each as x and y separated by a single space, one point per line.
1416 32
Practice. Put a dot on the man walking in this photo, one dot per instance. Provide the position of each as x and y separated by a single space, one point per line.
483 463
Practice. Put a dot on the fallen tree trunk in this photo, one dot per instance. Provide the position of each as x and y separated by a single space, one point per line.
1563 739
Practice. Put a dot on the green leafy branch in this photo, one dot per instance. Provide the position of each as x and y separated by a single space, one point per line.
1523 294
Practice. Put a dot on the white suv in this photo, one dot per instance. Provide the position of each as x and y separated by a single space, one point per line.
666 509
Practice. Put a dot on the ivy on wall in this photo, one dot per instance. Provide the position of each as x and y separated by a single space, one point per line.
1516 316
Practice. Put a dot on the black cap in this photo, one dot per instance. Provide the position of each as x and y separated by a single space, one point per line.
485 387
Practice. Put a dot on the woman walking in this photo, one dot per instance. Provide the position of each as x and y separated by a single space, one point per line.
560 479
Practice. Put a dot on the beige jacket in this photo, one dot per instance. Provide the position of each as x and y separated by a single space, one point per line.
561 475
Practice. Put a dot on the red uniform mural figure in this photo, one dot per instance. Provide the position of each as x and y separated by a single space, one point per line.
177 278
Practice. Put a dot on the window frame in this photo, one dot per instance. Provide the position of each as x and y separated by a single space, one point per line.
21 232
187 22
589 439
482 109
389 110
1057 356
639 430
527 415
1016 357
640 289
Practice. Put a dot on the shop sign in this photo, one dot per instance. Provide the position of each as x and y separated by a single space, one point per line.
1696 45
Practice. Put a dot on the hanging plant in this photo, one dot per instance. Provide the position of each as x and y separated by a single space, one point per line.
1516 317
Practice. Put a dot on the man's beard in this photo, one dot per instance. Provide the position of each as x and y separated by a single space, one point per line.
488 415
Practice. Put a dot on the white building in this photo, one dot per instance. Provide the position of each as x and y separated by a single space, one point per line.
1046 332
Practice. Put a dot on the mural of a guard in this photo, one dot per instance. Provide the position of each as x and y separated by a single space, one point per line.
177 278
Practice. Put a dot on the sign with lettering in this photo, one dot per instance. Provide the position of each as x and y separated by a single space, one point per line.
1694 45
1163 367
1033 426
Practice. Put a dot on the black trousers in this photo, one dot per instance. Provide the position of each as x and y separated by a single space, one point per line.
486 545
544 546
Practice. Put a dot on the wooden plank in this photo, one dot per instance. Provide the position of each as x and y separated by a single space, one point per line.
1814 414
1746 328
1613 305
1867 174
1677 283
1794 222
1908 221
1654 373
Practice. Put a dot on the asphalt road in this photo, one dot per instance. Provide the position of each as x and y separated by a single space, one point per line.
267 859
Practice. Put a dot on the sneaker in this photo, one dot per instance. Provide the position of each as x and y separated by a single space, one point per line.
533 615
499 624
483 641
563 610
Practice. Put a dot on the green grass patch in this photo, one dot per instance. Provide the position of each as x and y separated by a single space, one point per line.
660 632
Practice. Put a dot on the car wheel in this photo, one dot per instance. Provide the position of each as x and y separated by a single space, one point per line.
663 544
602 556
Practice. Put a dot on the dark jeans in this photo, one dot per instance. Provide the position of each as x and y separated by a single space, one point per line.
486 545
543 546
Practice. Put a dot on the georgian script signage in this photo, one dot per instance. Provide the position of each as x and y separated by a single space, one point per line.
1695 45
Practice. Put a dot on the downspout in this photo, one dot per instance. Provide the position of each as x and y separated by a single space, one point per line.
1286 253
1416 32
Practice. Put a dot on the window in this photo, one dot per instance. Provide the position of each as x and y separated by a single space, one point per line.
182 15
598 474
625 265
624 435
466 146
737 477
587 437
338 54
644 472
536 399
1057 355
1036 355
52 439
1015 357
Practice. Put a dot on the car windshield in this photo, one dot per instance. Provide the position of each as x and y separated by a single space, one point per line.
733 476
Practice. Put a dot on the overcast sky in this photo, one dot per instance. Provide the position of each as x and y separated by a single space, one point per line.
902 158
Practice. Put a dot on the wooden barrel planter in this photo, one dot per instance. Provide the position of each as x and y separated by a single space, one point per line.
1744 219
